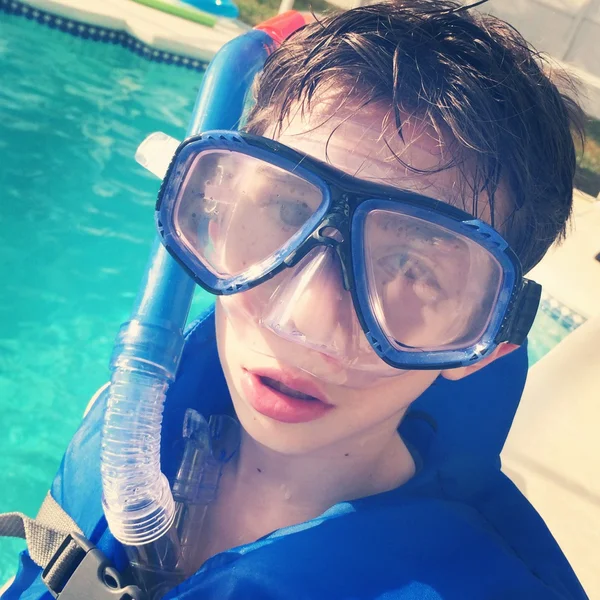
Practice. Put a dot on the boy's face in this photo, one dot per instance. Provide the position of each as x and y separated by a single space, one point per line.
259 364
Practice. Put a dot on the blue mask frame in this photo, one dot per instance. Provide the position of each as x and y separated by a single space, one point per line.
347 202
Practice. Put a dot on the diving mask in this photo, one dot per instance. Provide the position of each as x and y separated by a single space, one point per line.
370 277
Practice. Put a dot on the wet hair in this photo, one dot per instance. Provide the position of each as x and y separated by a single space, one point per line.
510 116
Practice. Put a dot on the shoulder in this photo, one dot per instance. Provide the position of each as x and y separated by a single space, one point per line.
422 545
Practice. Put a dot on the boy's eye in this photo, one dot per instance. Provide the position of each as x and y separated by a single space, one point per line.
415 272
294 213
289 213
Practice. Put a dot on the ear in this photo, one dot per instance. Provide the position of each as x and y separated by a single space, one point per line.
501 350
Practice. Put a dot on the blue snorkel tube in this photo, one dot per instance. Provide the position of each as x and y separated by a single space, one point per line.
137 499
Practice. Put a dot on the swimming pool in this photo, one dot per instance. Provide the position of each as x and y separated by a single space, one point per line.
77 222
553 323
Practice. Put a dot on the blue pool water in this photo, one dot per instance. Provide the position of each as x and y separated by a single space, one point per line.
552 324
77 221
77 224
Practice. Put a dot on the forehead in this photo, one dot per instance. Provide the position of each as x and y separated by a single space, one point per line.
363 144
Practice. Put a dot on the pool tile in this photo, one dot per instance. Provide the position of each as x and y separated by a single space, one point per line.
92 19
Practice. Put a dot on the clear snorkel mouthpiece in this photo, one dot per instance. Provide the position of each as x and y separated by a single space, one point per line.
177 554
209 447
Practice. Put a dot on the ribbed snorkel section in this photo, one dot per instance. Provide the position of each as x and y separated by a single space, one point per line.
138 502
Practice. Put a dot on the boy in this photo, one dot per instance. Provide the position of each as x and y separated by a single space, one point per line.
403 165
358 227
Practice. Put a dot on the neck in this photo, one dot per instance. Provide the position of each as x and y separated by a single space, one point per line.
313 482
266 490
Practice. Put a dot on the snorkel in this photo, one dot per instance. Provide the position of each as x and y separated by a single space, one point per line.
138 503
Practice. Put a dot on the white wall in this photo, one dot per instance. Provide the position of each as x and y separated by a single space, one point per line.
568 30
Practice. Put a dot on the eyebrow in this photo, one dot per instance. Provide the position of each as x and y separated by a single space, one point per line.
453 195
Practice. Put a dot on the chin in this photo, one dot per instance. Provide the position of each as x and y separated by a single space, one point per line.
283 438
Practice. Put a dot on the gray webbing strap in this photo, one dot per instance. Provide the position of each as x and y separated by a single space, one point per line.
73 568
44 536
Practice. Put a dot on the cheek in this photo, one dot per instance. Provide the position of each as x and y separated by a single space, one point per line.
384 403
221 334
397 393
248 236
231 351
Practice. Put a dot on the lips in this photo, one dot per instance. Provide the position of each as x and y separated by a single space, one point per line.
284 397
284 389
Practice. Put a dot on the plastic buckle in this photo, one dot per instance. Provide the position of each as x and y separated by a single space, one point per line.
88 575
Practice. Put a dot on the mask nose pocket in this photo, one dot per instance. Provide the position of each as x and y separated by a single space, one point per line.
311 306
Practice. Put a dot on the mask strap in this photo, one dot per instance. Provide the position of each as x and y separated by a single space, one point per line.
521 314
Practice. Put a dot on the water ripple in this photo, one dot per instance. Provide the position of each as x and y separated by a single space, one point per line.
77 223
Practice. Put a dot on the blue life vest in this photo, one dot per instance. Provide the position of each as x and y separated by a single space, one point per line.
459 530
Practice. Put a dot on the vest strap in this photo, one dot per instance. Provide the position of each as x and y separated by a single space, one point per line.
73 568
44 534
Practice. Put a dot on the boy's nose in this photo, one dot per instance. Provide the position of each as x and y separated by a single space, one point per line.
312 307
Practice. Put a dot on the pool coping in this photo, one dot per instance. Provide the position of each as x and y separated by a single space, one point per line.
566 317
151 34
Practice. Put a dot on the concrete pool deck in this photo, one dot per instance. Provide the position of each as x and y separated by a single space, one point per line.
160 30
552 452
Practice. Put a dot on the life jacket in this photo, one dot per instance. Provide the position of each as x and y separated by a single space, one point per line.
458 530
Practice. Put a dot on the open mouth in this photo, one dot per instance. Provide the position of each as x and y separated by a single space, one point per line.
284 389
295 401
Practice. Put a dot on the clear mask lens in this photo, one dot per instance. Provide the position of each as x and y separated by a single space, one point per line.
236 212
430 288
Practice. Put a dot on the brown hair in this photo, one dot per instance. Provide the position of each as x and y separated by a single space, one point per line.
469 75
